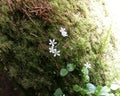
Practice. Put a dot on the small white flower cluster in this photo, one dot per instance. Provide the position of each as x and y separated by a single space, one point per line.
53 43
52 48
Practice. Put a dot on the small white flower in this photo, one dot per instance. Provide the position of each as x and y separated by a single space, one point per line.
62 29
63 94
51 49
63 32
87 65
52 42
56 53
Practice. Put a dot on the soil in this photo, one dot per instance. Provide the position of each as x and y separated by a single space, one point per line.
8 87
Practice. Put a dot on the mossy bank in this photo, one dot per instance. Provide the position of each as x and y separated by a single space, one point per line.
24 43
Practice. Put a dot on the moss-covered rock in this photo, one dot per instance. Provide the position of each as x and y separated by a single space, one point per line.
24 45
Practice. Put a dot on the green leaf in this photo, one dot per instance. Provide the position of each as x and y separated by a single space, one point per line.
63 72
85 71
76 88
90 88
97 91
83 91
70 67
86 78
104 91
114 86
58 92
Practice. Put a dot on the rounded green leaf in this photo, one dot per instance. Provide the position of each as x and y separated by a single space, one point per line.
97 91
76 88
85 71
63 72
58 92
114 86
105 90
90 88
70 67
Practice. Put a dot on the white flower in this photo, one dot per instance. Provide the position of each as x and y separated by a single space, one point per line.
63 94
56 53
87 65
63 32
52 42
51 49
62 29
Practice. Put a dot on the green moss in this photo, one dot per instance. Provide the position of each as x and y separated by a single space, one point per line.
28 57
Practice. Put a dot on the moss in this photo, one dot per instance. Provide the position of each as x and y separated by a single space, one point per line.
27 56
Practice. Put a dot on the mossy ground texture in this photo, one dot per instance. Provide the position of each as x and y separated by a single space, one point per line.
24 45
